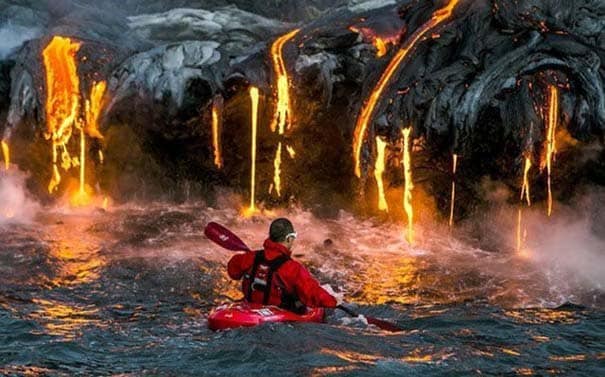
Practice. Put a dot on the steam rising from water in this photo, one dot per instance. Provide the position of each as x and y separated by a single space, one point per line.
372 263
16 205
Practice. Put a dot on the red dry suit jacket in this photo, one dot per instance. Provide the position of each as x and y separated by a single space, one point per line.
292 277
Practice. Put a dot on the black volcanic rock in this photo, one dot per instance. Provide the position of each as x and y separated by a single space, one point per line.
476 85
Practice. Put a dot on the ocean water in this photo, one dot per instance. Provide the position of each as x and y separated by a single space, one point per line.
126 292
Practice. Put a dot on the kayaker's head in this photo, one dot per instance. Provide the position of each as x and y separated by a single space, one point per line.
282 231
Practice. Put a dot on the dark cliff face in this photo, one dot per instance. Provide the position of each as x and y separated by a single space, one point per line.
476 85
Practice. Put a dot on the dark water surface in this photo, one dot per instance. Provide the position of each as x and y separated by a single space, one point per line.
127 292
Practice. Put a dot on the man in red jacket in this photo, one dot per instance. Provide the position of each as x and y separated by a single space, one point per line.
271 277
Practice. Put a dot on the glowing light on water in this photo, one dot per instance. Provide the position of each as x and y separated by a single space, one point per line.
407 190
367 111
62 99
378 173
6 154
453 196
254 123
551 148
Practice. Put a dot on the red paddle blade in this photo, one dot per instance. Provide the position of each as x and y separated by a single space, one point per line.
384 325
224 237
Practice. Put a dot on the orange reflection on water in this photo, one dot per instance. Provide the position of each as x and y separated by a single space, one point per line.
391 281
324 371
568 358
542 315
351 356
509 351
61 319
524 372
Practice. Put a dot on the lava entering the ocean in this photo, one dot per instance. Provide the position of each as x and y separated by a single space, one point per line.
367 111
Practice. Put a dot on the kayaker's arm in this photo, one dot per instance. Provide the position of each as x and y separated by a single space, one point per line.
239 264
311 293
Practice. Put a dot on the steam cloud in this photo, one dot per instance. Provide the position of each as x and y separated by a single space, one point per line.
16 205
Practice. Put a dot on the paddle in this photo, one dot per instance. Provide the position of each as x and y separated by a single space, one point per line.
225 238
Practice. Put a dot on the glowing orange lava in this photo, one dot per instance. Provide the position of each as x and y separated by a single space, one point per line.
62 99
407 190
6 154
277 175
453 197
525 193
378 173
381 47
216 126
367 111
94 106
281 118
551 148
254 122
525 187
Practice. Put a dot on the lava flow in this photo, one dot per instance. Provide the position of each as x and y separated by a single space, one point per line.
379 42
367 111
524 193
6 154
407 190
282 117
551 148
216 131
378 173
62 99
94 105
254 123
453 197
277 175
525 187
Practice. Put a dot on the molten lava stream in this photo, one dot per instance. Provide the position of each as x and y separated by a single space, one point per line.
525 187
254 122
277 166
62 99
367 110
216 132
453 196
525 192
6 154
82 162
93 107
407 190
551 148
281 118
381 47
378 173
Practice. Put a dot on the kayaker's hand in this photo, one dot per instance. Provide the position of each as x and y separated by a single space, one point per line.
338 296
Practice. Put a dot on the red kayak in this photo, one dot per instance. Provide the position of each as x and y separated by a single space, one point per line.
243 314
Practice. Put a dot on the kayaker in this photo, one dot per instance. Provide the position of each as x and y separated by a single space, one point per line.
271 277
